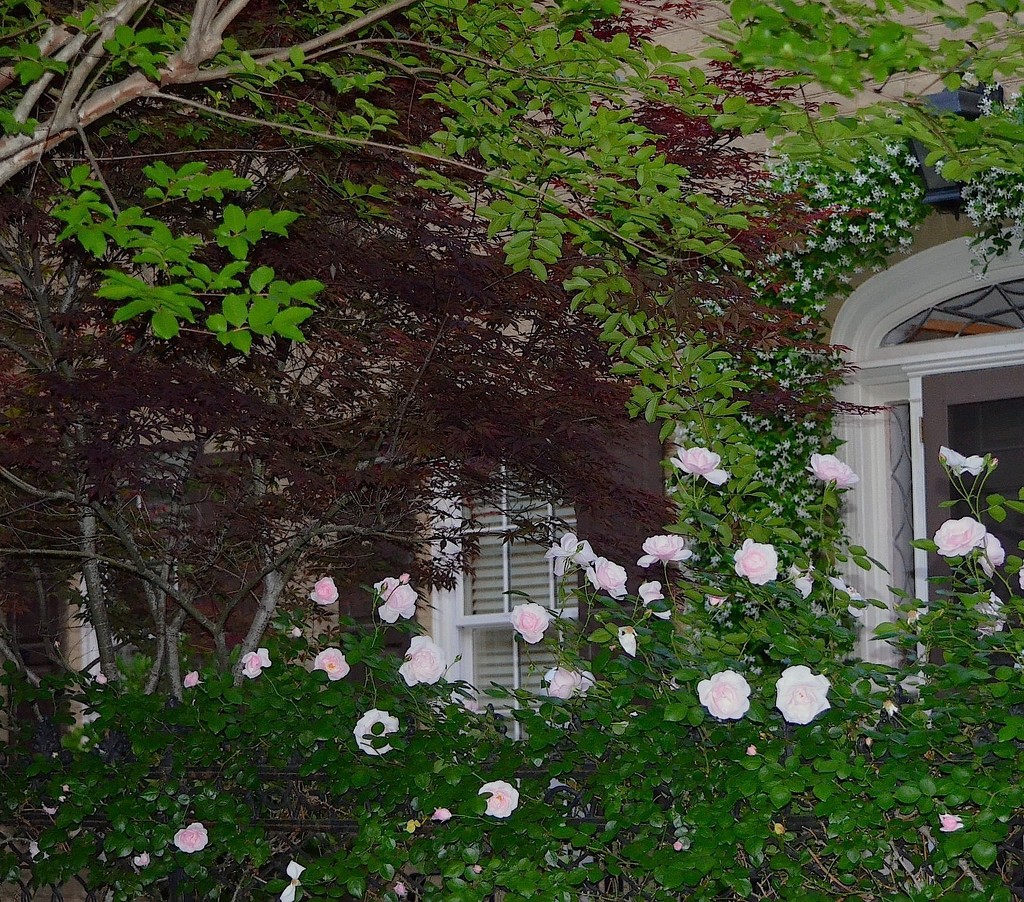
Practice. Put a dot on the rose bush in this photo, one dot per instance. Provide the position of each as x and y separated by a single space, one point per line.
731 749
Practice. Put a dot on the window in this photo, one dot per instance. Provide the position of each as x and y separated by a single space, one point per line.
471 621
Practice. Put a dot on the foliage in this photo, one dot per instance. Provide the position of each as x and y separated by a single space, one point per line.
901 52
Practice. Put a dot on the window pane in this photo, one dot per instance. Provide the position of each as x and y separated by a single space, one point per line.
486 585
530 572
493 657
497 660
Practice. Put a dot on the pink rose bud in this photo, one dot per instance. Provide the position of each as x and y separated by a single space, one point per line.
296 633
950 823
141 860
441 815
400 890
191 679
678 846
477 869
751 750
101 678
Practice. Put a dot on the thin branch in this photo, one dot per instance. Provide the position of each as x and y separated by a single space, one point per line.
9 652
95 166
44 494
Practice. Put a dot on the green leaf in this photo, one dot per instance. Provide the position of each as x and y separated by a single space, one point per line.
676 712
907 793
984 853
235 309
261 278
165 324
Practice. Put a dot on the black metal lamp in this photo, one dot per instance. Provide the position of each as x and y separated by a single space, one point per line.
967 102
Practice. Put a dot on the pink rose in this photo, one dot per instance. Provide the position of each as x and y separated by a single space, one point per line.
607 577
254 662
398 597
993 555
192 838
664 549
757 562
751 750
716 601
441 815
958 537
101 678
649 593
332 662
325 592
141 860
477 869
504 798
296 633
400 890
726 695
829 468
570 550
950 823
677 845
564 683
424 662
701 462
530 620
191 679
801 695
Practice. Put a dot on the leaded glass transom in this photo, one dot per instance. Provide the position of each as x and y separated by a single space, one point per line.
986 309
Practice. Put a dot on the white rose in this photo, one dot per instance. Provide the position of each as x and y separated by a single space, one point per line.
570 550
424 662
701 462
365 734
959 464
332 662
801 695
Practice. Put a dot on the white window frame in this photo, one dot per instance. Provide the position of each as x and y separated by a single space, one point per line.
894 374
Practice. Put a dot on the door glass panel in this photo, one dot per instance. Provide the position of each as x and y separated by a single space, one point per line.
997 428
